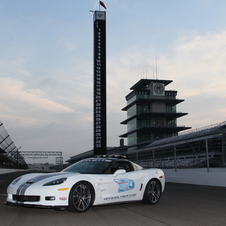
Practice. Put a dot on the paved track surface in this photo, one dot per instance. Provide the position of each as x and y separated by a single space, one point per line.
180 205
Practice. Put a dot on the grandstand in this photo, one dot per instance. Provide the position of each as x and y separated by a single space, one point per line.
200 148
10 156
204 147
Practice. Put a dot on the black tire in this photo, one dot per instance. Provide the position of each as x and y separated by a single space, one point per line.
152 192
81 197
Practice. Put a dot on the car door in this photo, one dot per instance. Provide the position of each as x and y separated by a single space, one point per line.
123 184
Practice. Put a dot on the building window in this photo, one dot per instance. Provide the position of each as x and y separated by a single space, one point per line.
132 139
142 108
132 125
131 111
141 137
159 121
171 108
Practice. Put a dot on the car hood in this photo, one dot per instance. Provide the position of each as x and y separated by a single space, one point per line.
43 177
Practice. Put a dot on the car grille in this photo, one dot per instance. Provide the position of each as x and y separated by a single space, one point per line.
26 198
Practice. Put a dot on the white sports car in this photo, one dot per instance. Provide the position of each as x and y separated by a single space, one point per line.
89 182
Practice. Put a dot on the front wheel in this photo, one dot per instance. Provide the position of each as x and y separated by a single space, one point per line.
152 192
81 197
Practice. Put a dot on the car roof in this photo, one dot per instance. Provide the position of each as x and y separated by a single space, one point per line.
115 157
110 157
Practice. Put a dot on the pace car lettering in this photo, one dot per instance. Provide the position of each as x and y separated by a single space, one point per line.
120 197
125 184
127 196
111 198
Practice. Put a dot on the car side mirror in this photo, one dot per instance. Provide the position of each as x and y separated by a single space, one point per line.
118 172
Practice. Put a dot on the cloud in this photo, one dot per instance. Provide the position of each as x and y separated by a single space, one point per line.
197 67
35 122
67 44
195 63
198 64
28 105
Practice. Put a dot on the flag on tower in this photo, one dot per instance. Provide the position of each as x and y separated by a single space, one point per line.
103 5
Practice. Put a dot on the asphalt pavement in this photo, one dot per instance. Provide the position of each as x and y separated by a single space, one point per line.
180 205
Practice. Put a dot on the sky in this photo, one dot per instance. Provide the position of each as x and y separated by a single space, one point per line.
46 65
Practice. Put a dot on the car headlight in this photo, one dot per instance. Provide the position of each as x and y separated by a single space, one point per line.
16 180
56 182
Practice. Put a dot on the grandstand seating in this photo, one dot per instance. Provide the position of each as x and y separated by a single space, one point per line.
10 156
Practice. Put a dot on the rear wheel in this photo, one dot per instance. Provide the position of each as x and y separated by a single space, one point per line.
81 197
152 192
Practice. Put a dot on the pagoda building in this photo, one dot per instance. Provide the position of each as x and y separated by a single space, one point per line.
151 113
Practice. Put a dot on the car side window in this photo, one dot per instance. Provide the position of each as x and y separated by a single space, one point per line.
121 165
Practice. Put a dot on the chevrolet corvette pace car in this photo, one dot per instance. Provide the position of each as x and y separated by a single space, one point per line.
89 182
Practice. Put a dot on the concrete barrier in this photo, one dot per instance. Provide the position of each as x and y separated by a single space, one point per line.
2 171
213 177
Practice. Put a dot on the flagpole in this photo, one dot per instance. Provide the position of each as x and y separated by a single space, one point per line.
99 5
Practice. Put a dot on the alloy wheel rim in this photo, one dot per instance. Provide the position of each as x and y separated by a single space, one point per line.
154 192
82 197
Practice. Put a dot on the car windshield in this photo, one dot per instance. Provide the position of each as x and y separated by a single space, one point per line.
89 166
